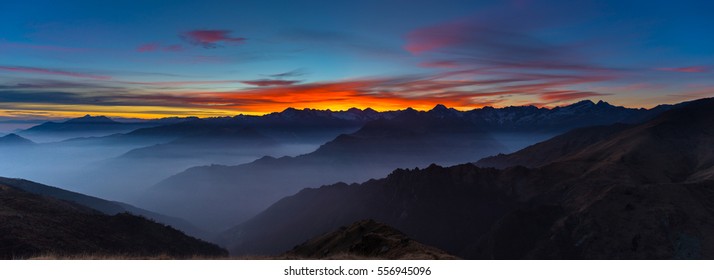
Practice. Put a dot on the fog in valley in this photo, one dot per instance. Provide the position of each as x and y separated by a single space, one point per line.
217 173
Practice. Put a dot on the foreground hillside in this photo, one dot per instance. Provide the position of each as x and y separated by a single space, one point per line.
622 192
365 239
34 225
101 205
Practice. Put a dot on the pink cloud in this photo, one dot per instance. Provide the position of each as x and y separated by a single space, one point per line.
565 95
696 91
183 83
153 47
268 83
173 48
689 69
628 87
45 71
211 38
435 37
150 47
439 64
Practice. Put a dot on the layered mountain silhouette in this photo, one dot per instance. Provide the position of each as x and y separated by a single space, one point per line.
559 119
238 192
86 126
365 239
13 140
639 191
407 138
558 147
289 126
318 126
159 152
223 142
33 225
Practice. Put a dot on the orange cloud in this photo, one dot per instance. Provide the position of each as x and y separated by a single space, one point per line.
461 89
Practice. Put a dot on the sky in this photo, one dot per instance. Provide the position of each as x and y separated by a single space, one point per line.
151 59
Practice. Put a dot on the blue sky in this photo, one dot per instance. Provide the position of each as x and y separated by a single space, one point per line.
208 58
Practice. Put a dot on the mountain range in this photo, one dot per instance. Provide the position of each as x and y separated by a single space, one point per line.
87 126
411 139
256 176
639 191
406 138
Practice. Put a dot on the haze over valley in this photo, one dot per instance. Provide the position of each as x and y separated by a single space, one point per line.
368 129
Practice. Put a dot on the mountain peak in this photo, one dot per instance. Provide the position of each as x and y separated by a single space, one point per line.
439 107
442 111
91 119
584 102
354 110
603 104
15 139
366 239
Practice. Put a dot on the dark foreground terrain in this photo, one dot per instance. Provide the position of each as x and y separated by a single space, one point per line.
34 226
366 239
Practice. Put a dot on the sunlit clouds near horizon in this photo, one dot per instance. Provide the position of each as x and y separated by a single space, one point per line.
222 58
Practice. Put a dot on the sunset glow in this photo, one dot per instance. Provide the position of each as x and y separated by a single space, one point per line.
74 58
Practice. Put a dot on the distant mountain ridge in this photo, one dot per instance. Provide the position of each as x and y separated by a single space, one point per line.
406 138
87 126
410 139
13 139
581 114
640 191
512 118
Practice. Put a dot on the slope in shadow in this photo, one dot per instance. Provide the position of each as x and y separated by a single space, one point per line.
365 239
32 225
631 192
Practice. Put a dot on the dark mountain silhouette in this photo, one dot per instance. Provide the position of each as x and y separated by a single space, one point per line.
87 126
559 119
220 142
288 126
407 138
146 156
238 136
633 192
169 149
14 140
101 205
33 225
365 239
239 192
552 150
434 206
674 147
319 126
